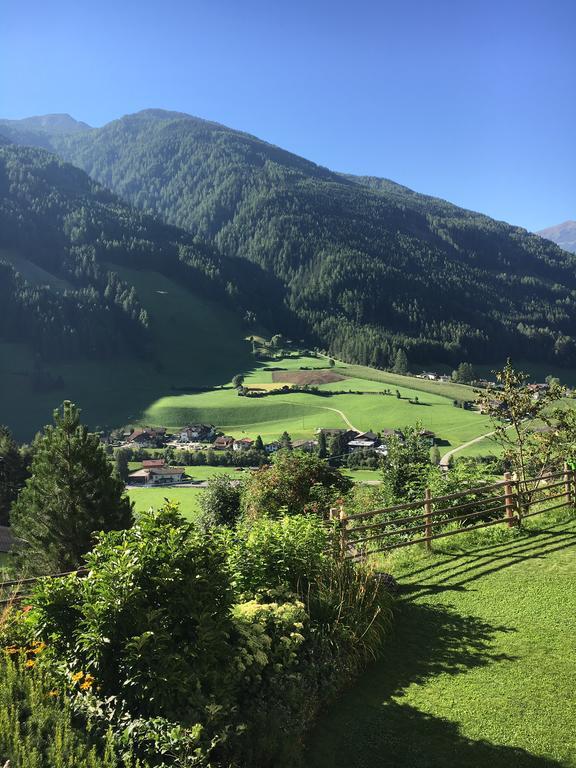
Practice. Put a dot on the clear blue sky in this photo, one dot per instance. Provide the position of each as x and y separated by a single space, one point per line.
471 101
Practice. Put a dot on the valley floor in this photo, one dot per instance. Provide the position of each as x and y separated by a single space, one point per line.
480 671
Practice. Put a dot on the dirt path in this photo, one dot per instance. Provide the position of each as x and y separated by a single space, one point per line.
446 458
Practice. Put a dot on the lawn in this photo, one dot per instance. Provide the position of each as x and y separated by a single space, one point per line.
186 497
479 671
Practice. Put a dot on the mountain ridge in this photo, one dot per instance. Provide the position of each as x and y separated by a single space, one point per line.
368 266
564 235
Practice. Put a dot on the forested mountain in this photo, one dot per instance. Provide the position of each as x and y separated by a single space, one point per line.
563 235
67 231
367 266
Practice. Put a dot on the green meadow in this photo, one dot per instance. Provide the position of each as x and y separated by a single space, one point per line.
302 413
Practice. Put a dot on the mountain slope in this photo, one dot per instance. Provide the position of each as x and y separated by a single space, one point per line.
104 304
368 266
563 235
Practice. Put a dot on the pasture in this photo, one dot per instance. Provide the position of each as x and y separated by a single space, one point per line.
301 413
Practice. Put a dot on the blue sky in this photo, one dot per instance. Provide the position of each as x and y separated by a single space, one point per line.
471 101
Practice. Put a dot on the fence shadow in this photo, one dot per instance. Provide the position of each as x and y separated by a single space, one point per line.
366 728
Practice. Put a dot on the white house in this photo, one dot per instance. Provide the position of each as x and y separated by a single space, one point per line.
161 475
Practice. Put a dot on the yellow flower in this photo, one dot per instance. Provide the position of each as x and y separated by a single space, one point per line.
77 676
52 693
12 649
30 663
38 647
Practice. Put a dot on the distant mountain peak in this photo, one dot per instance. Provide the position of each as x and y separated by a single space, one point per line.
563 235
58 123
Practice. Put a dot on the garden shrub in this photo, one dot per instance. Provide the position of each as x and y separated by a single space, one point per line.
220 502
152 620
295 483
288 552
209 649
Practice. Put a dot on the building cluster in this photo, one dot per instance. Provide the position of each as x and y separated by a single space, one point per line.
157 472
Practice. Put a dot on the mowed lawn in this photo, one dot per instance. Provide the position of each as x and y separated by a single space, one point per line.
480 669
301 414
187 499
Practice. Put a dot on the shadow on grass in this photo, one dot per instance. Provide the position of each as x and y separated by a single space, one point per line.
367 728
487 560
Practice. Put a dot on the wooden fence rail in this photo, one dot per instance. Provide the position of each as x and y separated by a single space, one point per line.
506 502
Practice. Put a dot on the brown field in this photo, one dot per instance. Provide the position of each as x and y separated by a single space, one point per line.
307 377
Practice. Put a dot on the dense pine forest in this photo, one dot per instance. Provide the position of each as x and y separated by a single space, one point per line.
61 234
362 266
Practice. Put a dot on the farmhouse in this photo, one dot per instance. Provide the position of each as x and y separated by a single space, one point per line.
305 445
223 443
147 437
202 433
272 447
161 475
365 441
243 444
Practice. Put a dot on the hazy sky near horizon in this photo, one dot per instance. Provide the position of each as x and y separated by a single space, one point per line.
473 102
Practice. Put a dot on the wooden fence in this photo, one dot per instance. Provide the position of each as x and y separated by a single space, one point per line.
431 518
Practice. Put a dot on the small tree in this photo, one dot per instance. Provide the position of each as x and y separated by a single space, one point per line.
322 447
406 467
121 464
72 492
331 363
513 406
220 502
464 374
401 362
238 381
258 444
294 483
285 441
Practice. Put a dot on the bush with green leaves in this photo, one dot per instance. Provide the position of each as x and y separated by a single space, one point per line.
151 621
349 609
220 501
295 482
210 648
288 553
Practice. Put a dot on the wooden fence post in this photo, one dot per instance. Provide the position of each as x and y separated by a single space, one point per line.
343 532
428 518
508 499
567 483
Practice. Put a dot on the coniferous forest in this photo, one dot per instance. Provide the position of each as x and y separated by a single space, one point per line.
358 265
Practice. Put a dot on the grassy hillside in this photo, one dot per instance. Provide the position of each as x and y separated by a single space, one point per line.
196 343
479 672
301 413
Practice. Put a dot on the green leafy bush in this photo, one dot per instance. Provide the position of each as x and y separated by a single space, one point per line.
151 621
295 482
209 649
289 552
